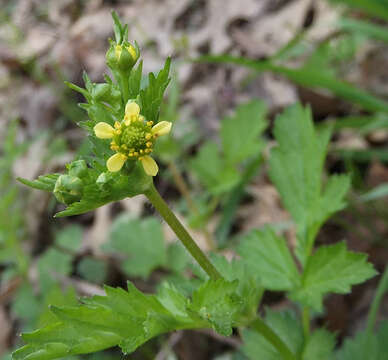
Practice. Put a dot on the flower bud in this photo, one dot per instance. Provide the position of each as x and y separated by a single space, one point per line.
122 57
110 57
101 91
68 189
127 56
78 168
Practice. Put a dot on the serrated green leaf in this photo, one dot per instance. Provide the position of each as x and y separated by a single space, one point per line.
117 27
268 256
212 171
151 97
285 325
296 166
44 182
130 318
332 199
135 80
141 242
57 297
249 286
320 345
216 301
331 269
240 133
364 346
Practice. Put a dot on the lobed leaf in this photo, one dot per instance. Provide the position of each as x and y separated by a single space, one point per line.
240 133
285 325
151 97
212 171
267 255
296 167
331 269
130 318
319 346
362 346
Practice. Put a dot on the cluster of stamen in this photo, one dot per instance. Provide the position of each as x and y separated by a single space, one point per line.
133 137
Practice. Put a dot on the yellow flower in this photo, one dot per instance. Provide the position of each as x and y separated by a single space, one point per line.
132 138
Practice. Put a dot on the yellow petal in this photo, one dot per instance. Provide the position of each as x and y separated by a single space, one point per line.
161 128
104 130
149 164
116 162
132 51
132 109
118 50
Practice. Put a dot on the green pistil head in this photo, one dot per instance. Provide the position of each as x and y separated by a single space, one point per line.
134 140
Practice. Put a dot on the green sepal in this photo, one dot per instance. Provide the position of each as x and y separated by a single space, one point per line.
110 56
126 61
78 168
118 28
68 189
43 182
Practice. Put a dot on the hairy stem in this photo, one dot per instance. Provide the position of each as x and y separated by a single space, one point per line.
261 327
182 234
125 87
183 189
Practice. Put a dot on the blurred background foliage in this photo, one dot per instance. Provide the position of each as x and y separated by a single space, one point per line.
231 76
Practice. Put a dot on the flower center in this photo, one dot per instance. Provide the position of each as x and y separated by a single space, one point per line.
133 140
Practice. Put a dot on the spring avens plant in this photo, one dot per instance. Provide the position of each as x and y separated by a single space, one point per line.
123 127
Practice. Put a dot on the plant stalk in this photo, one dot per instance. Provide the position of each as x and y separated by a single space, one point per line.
125 87
306 323
183 189
381 290
157 201
260 326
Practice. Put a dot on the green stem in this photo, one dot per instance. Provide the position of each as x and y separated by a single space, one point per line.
260 326
182 234
381 289
125 86
306 323
184 190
